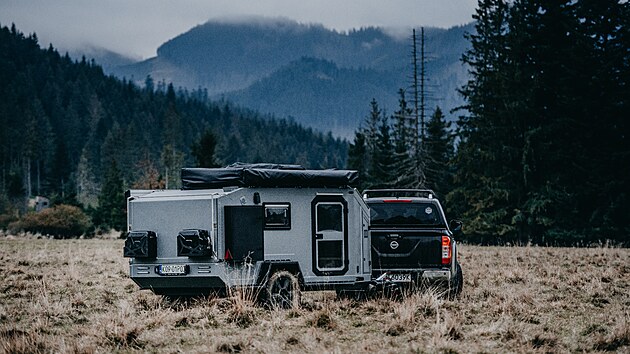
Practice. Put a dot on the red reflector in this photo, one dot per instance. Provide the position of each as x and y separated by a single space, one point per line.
228 255
397 201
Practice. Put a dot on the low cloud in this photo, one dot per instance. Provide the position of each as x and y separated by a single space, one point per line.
136 28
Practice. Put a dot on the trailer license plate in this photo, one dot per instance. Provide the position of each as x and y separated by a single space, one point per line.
172 269
403 278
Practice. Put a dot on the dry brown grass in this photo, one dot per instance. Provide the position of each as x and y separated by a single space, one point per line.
75 296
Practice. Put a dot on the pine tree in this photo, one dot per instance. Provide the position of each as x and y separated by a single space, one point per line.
383 172
111 201
403 135
61 170
379 148
87 186
172 156
484 167
415 176
439 152
357 158
204 149
370 132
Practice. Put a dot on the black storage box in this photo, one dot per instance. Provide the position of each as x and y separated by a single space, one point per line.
194 243
141 244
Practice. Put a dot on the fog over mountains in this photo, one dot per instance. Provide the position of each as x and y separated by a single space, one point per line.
322 78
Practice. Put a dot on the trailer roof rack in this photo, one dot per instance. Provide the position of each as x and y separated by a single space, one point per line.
399 193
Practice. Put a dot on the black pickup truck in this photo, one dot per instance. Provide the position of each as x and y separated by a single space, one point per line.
412 243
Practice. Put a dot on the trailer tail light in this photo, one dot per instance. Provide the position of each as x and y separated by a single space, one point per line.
140 244
446 250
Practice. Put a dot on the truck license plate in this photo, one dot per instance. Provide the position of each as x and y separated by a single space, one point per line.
402 278
172 269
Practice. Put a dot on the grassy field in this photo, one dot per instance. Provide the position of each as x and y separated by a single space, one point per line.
75 296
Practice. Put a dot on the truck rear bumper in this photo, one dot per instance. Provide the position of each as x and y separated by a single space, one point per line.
418 275
434 275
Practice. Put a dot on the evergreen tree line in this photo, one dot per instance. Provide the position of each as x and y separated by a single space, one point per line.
388 152
71 133
543 154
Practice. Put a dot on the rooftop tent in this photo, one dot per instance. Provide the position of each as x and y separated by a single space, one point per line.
265 175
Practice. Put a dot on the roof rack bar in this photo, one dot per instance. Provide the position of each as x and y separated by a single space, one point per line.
398 193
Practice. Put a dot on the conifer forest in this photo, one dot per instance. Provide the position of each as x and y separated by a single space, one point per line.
541 150
539 153
82 138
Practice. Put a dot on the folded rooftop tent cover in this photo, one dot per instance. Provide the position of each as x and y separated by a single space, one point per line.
299 178
275 166
258 175
211 178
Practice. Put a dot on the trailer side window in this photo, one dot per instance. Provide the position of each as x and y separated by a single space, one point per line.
277 216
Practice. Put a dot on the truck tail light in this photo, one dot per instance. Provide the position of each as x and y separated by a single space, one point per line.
446 250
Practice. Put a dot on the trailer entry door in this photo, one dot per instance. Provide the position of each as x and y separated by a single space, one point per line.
244 233
330 235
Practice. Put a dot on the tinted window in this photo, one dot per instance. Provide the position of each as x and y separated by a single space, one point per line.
329 217
330 254
405 214
277 216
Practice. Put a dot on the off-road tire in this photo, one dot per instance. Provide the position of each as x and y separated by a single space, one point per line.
283 290
457 283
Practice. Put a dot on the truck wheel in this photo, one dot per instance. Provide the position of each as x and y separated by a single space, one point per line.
283 290
457 283
394 291
356 295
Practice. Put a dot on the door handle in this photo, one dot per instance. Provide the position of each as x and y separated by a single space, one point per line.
319 236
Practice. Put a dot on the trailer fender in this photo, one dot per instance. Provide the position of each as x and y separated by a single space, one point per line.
268 268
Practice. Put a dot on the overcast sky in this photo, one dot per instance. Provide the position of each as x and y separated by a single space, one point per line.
137 27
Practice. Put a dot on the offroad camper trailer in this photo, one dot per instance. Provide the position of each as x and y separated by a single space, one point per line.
277 228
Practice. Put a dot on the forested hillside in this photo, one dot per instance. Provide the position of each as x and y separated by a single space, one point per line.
65 126
269 65
318 91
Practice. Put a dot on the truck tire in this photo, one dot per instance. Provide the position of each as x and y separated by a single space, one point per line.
457 283
283 290
355 295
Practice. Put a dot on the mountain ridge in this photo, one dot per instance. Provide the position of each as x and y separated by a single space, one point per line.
238 61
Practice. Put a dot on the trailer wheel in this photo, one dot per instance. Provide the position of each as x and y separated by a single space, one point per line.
283 290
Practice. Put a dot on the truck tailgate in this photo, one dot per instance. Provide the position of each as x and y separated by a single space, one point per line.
400 249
